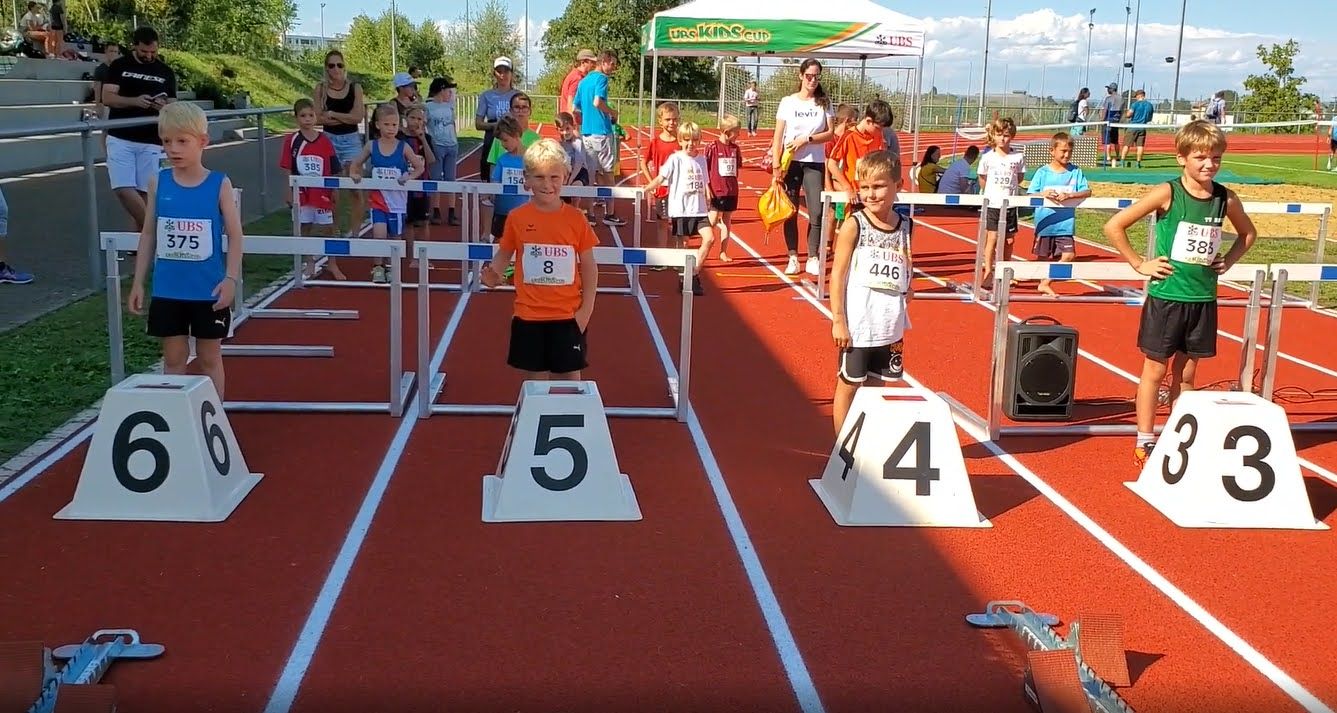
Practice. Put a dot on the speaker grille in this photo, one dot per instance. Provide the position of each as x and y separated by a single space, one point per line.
1044 376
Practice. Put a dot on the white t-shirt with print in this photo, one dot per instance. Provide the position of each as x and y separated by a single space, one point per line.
803 118
1003 174
686 179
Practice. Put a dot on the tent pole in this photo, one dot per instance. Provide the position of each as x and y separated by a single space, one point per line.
863 90
914 112
719 104
640 102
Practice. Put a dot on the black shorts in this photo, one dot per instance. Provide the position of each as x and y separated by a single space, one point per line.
556 346
1169 327
1112 136
498 225
689 227
187 318
1332 145
991 220
724 204
885 363
581 179
419 208
1052 247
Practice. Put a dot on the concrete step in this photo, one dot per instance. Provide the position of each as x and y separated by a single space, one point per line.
28 68
28 92
39 115
38 154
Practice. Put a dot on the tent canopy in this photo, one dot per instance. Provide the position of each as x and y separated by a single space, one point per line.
846 29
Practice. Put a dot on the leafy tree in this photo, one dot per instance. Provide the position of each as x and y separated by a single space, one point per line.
616 25
472 43
228 27
1275 95
367 45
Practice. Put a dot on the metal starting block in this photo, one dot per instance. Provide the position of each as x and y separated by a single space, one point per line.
73 688
1065 675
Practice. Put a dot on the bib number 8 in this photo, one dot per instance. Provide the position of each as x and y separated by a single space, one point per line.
548 267
1267 477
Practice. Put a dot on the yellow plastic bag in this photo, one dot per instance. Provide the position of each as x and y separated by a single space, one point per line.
774 206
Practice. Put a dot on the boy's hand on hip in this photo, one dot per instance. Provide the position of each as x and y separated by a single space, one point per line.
1158 268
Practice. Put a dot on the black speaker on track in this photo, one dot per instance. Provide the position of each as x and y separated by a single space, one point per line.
1040 370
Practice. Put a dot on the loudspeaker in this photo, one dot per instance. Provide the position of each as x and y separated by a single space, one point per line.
1040 371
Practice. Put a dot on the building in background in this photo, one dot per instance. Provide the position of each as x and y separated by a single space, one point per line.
307 43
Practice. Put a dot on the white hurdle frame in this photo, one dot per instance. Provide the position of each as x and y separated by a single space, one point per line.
401 382
1008 271
470 219
431 385
1282 273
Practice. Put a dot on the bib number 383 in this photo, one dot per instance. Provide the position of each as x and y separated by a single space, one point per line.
1196 244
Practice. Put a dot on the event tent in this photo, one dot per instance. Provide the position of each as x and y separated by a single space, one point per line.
825 29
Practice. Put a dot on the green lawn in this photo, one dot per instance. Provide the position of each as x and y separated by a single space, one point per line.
59 364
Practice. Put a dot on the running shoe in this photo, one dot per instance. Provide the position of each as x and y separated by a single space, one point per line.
11 276
1142 453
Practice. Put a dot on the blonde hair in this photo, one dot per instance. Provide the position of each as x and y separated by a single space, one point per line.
1061 137
415 109
184 118
667 108
543 153
688 130
1199 135
878 164
1000 126
728 123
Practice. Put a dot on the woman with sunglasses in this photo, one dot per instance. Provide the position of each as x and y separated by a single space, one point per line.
802 125
340 108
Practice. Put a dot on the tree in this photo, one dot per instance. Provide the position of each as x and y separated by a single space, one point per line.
252 28
1275 95
367 46
471 44
616 25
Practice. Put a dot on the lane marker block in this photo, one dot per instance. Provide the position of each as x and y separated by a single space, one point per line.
1227 459
558 462
898 462
163 450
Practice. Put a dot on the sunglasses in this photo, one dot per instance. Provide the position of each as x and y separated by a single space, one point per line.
334 66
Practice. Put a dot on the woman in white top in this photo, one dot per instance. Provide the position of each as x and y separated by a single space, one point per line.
1079 115
802 124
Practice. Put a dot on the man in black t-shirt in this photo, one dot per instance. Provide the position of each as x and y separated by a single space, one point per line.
137 85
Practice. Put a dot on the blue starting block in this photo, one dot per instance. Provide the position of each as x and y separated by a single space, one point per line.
87 662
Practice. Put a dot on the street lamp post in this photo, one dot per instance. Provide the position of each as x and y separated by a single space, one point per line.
1132 67
394 54
1128 15
1179 60
322 22
984 73
1090 28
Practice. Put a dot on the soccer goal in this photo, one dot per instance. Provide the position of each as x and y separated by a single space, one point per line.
845 83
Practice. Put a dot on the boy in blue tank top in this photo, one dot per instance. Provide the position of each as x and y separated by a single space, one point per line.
194 280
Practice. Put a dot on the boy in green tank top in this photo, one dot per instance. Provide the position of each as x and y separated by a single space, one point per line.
1178 324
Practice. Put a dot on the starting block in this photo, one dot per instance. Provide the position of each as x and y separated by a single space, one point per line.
163 450
898 462
37 685
1227 459
533 483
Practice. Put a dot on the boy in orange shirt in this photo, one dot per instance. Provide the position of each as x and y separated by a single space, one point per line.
556 277
854 144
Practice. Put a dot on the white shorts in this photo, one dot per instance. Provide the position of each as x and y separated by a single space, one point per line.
131 165
311 215
601 152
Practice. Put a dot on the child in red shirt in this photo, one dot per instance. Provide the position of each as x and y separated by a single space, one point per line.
664 145
309 152
723 157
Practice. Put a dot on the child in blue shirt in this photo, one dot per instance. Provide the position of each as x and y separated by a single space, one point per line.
1059 181
189 208
509 170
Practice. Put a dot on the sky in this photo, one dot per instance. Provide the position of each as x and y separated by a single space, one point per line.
1037 46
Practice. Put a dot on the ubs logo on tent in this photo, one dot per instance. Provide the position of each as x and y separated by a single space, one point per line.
719 32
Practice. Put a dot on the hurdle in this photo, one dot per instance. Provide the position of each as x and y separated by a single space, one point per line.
401 382
471 194
1008 271
1282 274
433 384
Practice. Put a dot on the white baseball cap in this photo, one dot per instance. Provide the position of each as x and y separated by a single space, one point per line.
502 62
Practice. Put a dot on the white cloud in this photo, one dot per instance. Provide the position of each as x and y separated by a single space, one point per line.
1046 46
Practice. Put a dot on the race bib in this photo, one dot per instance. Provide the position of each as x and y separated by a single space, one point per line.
1196 244
190 239
695 182
549 264
728 166
881 269
385 172
311 165
512 177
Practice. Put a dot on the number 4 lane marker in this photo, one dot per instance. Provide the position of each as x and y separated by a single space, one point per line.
1246 651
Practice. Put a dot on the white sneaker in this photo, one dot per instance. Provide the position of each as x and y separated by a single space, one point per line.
812 267
792 267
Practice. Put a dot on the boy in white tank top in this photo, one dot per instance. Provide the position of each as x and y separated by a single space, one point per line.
870 284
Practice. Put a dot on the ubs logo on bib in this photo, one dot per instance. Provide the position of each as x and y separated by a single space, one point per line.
541 251
185 226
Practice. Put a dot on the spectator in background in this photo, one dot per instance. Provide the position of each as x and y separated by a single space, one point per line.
597 118
445 144
37 28
1112 113
138 85
1077 113
110 54
492 105
406 93
340 109
956 179
566 101
1216 108
56 38
1140 112
930 171
752 100
7 272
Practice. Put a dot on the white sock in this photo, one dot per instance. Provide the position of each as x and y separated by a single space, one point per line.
1144 439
